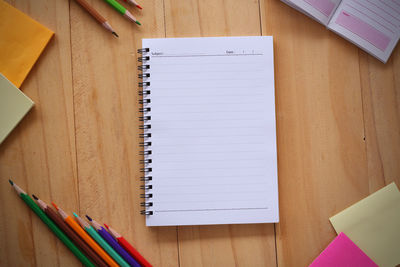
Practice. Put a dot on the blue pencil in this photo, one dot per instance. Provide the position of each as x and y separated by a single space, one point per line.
113 243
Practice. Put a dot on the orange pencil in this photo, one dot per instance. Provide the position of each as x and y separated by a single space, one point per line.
75 226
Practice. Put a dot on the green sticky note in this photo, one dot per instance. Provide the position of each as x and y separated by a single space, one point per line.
373 224
13 106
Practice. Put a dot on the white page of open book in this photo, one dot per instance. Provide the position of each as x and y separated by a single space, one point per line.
214 157
368 21
320 10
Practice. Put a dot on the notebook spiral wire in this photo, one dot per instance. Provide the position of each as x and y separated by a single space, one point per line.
145 127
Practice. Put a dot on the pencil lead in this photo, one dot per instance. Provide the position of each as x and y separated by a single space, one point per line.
35 197
115 34
138 23
11 182
139 6
90 219
76 215
106 226
54 205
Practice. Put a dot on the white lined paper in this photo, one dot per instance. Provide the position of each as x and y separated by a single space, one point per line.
213 131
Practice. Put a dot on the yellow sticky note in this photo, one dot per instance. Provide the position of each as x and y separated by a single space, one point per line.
373 224
22 40
13 106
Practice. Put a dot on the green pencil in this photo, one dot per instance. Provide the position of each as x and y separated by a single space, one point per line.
53 227
93 233
121 9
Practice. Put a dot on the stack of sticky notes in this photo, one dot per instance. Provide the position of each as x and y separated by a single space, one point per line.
21 43
342 252
22 40
13 106
369 232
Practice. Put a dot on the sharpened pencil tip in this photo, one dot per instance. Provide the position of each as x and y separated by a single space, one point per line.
106 226
35 197
90 219
139 6
54 205
138 23
11 182
115 34
76 215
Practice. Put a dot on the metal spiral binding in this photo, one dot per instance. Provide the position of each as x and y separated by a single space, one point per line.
145 118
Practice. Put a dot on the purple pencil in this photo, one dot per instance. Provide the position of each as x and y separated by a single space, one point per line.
112 242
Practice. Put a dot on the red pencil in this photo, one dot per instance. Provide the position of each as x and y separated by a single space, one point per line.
128 247
133 2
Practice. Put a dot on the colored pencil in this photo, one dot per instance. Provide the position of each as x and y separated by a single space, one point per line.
113 243
121 9
92 232
128 247
133 2
100 19
68 231
75 226
53 227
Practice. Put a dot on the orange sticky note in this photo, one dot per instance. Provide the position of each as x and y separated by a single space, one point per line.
22 40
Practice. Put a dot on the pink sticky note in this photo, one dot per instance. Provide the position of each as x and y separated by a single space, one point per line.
342 252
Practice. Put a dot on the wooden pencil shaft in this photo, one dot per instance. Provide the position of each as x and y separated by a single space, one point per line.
92 11
57 231
117 6
128 247
78 229
74 237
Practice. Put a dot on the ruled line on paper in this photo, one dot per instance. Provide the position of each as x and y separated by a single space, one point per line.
396 3
201 136
384 11
207 195
216 103
200 88
196 185
391 7
211 71
241 63
208 152
208 79
212 160
212 176
211 209
211 119
202 168
225 127
205 55
205 112
250 94
210 144
372 11
250 199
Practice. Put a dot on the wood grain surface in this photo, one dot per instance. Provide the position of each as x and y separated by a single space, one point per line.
338 132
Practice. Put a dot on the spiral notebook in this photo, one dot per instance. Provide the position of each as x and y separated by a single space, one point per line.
209 138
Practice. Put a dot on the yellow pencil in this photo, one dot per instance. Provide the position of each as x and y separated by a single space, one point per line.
75 226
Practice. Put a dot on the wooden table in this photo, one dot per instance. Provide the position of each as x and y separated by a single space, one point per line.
338 123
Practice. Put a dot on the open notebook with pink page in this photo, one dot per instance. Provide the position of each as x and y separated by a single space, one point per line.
372 25
342 252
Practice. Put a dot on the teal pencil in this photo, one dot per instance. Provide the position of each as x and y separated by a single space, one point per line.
93 233
53 227
121 9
